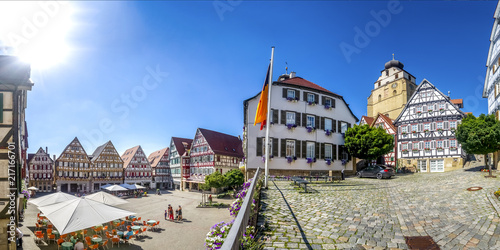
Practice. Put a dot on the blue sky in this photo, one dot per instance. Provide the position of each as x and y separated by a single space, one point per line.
142 72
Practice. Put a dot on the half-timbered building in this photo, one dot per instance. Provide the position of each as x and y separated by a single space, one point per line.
426 131
491 89
212 151
382 121
41 170
73 169
107 166
15 83
136 167
307 124
179 160
159 161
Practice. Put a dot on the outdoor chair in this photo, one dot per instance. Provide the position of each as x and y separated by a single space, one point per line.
114 241
144 223
59 242
85 232
98 230
49 231
51 237
105 228
40 236
105 244
128 239
144 229
95 246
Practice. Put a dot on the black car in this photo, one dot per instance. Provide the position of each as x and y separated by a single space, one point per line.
379 171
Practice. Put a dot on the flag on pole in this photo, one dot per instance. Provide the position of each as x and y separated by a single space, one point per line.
261 114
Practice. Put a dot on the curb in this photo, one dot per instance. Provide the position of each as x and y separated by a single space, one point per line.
494 201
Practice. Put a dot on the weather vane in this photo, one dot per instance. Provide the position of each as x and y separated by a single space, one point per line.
286 68
392 56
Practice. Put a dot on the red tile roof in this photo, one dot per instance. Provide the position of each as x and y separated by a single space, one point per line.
299 81
179 144
458 102
223 144
387 120
155 157
367 119
128 155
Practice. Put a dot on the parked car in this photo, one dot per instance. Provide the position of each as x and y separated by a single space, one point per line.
379 171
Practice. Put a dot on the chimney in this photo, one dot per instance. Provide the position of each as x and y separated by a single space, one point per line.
47 150
292 74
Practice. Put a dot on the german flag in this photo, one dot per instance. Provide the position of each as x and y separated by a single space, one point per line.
261 113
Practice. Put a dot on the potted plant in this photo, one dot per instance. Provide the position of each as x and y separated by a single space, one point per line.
311 160
430 111
328 107
419 112
310 129
405 151
328 161
291 126
328 132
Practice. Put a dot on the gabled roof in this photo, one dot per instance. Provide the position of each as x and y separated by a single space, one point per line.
128 155
417 91
458 102
155 157
223 144
13 71
80 145
30 156
99 150
181 144
301 82
367 119
386 119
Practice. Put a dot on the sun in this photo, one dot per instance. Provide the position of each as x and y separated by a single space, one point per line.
37 32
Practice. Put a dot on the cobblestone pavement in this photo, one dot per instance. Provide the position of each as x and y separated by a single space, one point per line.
377 214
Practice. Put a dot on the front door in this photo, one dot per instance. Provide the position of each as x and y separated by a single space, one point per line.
437 165
422 165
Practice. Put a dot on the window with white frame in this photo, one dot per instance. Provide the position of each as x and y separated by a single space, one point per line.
453 124
441 106
290 148
419 108
403 129
439 125
290 117
290 93
414 127
328 124
310 150
439 144
310 97
427 126
428 144
264 146
415 145
328 102
404 146
328 151
453 143
343 127
310 121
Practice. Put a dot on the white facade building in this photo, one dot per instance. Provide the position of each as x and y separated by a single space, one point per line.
307 123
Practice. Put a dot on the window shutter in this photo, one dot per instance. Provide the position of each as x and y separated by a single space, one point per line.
305 96
323 100
421 145
414 110
297 148
275 147
316 150
322 123
334 126
399 130
283 117
409 146
317 122
322 150
297 118
446 125
259 146
446 144
348 125
285 93
425 108
420 127
304 119
275 116
339 126
297 94
433 144
433 126
409 128
333 103
334 152
316 98
304 150
283 147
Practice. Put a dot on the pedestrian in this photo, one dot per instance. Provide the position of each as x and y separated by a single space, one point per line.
79 244
19 235
179 211
210 199
170 212
342 173
166 213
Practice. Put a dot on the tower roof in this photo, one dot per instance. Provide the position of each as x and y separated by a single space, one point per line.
394 63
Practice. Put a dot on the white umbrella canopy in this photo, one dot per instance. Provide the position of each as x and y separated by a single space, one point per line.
82 213
52 199
132 186
105 186
106 198
116 188
33 188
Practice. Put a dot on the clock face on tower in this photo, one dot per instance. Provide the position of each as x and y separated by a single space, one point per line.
394 85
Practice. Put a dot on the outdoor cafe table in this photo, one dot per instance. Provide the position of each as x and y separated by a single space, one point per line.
151 222
96 239
67 245
56 233
135 228
119 233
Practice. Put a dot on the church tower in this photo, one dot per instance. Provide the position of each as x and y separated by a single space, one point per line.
391 91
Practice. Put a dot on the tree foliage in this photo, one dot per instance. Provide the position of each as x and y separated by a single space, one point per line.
234 178
479 135
367 142
215 180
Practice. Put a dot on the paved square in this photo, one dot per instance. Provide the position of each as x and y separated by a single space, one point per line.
378 214
189 234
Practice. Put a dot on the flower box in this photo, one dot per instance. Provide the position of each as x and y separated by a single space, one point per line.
291 126
440 130
403 133
441 110
344 161
328 107
413 132
405 151
328 132
453 148
310 129
419 112
311 103
415 150
311 160
328 161
426 131
439 149
430 110
291 99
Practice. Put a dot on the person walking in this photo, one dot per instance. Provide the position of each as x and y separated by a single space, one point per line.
343 176
166 213
170 212
180 213
19 235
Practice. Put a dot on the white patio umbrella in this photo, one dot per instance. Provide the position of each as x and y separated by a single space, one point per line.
116 188
33 188
106 198
105 186
132 186
52 199
81 213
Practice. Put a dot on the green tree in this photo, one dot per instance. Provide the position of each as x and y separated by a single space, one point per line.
215 180
479 135
368 143
234 178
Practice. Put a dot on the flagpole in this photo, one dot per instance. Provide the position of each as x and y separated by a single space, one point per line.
270 81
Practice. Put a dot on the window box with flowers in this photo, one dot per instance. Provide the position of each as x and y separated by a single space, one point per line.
328 161
290 159
440 130
453 129
419 112
328 107
441 110
413 132
291 126
430 111
328 132
292 99
405 151
426 131
312 103
344 161
415 150
403 133
310 129
453 148
439 149
311 160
